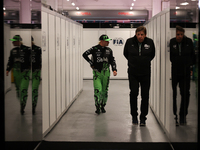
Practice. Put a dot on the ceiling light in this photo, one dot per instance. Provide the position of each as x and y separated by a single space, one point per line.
131 8
185 3
134 0
73 4
4 8
77 8
132 4
68 0
177 7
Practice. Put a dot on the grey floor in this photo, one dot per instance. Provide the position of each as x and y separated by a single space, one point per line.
80 123
25 127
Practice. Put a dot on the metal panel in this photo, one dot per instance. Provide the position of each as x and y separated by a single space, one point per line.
63 61
163 71
52 70
45 74
58 69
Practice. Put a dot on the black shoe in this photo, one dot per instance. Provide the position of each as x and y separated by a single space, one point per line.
22 111
103 110
135 121
33 110
182 120
176 121
142 122
97 111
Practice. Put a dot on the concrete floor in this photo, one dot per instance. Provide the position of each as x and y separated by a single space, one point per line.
25 127
80 123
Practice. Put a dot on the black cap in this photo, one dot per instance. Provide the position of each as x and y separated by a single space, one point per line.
104 38
16 38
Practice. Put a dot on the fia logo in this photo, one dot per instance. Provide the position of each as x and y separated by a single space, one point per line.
118 41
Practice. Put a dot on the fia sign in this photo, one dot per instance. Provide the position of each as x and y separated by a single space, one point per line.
118 41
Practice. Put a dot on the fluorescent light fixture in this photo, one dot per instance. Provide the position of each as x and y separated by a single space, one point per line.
77 8
177 7
131 8
185 3
134 0
132 4
73 4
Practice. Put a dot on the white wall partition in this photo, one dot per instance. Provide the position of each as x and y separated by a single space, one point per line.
61 64
160 92
119 37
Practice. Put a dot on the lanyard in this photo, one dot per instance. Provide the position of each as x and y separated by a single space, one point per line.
140 45
179 45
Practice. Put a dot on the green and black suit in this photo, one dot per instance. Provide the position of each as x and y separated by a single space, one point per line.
36 72
102 58
19 60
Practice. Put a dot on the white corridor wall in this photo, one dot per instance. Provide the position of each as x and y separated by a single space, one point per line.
61 66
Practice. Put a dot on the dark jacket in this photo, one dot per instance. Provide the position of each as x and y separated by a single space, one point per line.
181 61
139 64
20 55
102 58
36 58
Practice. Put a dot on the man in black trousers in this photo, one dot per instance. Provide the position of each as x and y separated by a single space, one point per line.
182 56
139 51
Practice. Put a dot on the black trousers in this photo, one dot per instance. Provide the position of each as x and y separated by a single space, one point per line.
134 82
184 85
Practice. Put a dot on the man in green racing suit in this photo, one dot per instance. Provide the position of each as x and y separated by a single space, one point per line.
19 60
102 58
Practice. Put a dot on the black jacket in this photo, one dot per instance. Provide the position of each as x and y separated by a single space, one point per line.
139 64
181 61
102 58
36 58
20 55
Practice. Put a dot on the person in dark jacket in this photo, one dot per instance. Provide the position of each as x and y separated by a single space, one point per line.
36 72
139 51
102 58
182 56
19 60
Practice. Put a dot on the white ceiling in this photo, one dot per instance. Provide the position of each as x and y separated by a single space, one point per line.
120 4
100 4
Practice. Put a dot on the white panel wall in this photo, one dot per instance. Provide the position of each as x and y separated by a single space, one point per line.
58 66
52 69
61 53
91 38
63 65
45 72
160 101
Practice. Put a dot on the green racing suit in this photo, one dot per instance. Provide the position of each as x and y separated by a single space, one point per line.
102 58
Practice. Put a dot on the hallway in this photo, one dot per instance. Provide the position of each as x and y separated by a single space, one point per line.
80 123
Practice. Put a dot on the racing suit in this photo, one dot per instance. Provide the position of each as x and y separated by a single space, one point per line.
36 73
19 60
102 58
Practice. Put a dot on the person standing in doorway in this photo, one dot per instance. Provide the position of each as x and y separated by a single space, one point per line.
19 60
102 58
139 52
182 56
36 73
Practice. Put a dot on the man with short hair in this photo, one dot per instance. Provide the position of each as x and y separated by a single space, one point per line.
139 51
102 58
182 56
19 60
